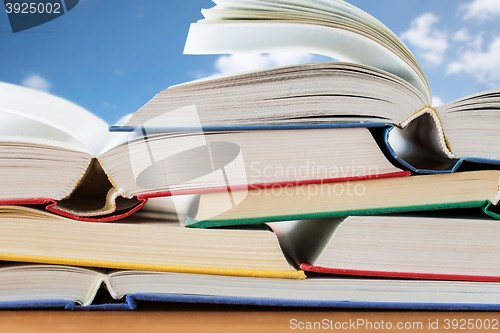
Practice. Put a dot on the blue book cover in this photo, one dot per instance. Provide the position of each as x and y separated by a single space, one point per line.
133 302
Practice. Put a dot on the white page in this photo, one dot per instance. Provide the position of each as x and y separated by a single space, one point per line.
56 112
224 38
17 129
332 7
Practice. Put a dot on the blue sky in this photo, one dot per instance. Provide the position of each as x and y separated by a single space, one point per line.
111 57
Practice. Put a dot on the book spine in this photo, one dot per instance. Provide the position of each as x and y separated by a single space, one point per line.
285 274
52 207
443 142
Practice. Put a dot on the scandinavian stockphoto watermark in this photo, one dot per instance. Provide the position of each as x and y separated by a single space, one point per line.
308 179
26 14
310 191
310 170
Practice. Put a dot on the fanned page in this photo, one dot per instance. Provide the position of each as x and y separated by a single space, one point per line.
46 145
318 93
55 112
48 150
17 129
331 28
337 29
38 160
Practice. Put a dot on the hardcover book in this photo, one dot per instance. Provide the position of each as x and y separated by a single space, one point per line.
373 196
55 153
25 286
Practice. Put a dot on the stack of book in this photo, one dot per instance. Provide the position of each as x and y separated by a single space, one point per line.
326 185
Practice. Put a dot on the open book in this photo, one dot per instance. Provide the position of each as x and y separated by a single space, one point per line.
54 152
24 286
382 83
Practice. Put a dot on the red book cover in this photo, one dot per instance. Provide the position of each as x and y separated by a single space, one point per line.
51 204
399 275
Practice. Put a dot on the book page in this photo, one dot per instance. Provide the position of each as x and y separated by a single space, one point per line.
17 129
55 112
259 37
471 126
319 6
32 283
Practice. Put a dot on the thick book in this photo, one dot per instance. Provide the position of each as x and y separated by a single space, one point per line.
396 246
363 197
37 236
320 95
25 286
58 154
383 83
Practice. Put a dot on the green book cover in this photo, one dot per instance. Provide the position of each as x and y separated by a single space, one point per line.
485 205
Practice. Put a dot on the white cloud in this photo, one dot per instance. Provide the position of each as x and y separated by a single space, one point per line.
483 65
477 43
238 63
482 9
430 42
37 82
462 35
437 101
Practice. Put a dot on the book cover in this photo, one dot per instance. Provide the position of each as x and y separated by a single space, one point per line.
485 206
